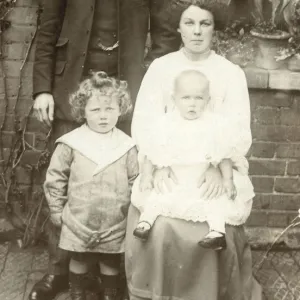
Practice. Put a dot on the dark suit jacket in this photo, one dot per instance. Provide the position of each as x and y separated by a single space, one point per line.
63 40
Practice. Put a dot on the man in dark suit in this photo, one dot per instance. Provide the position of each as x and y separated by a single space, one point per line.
74 38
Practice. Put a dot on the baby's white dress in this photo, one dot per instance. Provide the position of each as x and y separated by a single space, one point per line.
189 147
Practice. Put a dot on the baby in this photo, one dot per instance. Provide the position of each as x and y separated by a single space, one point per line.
189 140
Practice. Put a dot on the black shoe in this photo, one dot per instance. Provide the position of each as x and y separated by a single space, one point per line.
216 243
49 287
142 233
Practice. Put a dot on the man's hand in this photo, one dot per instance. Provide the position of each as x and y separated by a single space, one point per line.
230 188
44 108
163 176
146 182
211 183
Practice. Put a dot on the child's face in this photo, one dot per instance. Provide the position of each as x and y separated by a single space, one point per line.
191 96
102 113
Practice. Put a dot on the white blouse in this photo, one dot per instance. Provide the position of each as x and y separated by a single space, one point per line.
228 91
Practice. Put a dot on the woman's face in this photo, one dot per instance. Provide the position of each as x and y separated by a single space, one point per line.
196 28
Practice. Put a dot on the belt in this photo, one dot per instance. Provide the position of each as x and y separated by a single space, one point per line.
92 238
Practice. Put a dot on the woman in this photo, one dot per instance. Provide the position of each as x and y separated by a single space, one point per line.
171 265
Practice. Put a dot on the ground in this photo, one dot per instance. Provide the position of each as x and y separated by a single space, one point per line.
278 272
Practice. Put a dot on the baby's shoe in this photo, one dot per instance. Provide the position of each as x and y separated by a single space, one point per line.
142 230
214 240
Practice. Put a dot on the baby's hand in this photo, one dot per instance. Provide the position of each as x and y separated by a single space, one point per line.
56 219
146 183
229 188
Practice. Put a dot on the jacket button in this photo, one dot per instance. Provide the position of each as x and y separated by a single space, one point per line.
92 8
108 54
114 35
83 54
87 32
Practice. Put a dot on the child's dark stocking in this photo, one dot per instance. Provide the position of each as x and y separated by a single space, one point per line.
110 285
77 286
77 278
110 277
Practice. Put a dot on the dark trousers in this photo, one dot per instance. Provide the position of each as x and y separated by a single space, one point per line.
133 35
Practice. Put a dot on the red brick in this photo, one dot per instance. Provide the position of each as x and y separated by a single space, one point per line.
270 98
263 150
18 34
266 167
288 150
266 115
12 86
270 218
30 157
257 218
287 185
5 156
40 141
34 125
256 78
285 202
30 3
7 138
275 133
17 51
277 219
12 69
22 107
289 117
262 184
284 80
23 15
261 201
294 168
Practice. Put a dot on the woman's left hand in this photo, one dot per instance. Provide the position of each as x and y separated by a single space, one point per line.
211 183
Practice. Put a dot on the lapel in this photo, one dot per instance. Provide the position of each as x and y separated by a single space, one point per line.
103 150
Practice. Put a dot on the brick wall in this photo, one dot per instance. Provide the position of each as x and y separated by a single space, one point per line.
275 104
275 152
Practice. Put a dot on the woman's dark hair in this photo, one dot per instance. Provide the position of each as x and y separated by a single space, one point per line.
220 11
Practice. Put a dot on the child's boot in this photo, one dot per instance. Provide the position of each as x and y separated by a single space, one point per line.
214 240
142 230
77 286
110 284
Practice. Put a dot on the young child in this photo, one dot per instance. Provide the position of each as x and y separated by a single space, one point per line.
188 140
88 183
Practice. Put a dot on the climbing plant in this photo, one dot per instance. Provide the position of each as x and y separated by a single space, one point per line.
29 223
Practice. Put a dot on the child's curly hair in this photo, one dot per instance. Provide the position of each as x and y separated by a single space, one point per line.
101 84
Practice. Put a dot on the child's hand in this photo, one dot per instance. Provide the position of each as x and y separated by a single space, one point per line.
146 183
56 219
229 188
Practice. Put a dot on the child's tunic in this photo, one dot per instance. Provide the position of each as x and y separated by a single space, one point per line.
88 185
189 147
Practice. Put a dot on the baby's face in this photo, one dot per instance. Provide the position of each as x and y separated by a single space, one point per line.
191 96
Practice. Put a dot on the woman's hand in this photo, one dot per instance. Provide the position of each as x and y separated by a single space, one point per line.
164 176
146 182
211 183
